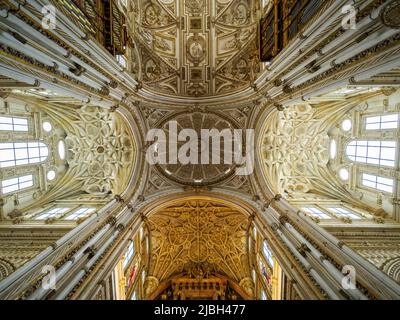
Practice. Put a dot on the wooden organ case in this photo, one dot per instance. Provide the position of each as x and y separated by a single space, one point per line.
100 18
282 22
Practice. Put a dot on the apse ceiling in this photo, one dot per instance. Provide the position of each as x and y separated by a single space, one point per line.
195 48
199 231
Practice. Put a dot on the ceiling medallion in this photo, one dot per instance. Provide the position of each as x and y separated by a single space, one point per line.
390 14
196 49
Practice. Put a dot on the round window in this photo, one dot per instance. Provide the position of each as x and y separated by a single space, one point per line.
51 175
47 126
346 125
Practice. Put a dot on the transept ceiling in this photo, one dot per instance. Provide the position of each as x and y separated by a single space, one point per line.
195 48
294 148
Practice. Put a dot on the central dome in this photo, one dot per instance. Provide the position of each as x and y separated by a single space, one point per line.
200 174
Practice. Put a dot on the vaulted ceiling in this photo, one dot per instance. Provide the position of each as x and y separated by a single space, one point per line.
199 231
195 48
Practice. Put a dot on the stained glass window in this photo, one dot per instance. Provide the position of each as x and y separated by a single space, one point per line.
129 254
268 254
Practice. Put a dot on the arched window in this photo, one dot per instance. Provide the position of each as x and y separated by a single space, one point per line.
129 254
268 253
266 273
22 153
377 152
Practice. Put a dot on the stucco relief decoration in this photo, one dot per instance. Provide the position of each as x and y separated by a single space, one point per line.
293 146
195 6
239 14
196 49
199 232
100 151
154 16
178 56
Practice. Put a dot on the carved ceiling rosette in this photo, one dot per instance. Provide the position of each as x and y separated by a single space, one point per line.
100 150
390 14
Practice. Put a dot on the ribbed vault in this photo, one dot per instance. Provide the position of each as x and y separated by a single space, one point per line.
202 232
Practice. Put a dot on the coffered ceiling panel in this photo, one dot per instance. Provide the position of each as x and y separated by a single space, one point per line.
196 48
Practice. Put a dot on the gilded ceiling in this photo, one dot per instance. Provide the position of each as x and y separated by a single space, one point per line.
195 48
199 232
